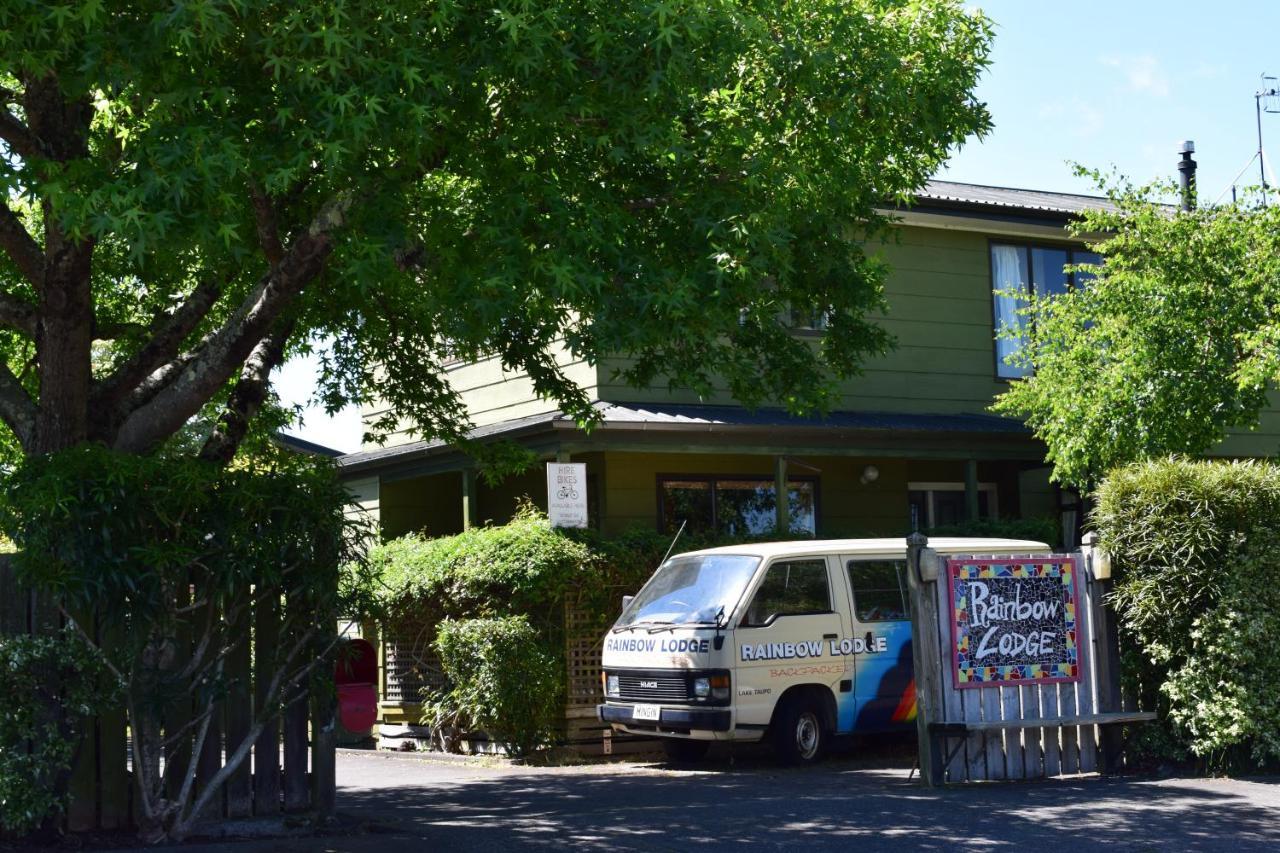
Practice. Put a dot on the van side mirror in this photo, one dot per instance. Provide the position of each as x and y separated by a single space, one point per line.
626 602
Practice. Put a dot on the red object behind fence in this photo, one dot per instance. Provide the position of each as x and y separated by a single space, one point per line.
355 675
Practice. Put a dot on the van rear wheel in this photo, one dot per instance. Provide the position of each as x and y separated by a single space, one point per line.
680 751
799 734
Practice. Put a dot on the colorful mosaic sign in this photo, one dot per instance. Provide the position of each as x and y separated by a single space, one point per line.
1014 621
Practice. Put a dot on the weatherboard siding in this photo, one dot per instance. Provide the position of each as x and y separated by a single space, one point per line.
1257 443
939 296
938 291
493 395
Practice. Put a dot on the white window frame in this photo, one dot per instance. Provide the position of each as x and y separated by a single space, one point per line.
993 497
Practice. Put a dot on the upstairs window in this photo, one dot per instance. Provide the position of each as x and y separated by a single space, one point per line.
1017 272
810 320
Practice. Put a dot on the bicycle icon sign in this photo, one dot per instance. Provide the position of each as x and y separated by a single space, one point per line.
567 494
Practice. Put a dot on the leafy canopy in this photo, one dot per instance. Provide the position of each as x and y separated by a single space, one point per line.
421 182
1170 345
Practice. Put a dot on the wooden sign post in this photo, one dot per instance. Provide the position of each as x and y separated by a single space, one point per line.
1007 659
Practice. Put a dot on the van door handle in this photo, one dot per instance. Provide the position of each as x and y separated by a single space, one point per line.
830 636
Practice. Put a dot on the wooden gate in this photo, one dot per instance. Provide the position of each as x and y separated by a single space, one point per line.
292 763
1048 722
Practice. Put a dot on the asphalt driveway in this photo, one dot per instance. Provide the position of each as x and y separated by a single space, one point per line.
848 803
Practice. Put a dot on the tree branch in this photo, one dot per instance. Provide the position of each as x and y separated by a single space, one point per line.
177 391
17 409
168 331
248 395
19 138
17 314
264 215
20 246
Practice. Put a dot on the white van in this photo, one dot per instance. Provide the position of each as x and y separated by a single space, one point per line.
798 641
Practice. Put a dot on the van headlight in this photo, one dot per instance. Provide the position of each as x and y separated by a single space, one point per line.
611 686
712 687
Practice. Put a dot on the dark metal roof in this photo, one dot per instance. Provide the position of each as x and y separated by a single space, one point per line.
619 414
505 429
979 196
301 445
625 417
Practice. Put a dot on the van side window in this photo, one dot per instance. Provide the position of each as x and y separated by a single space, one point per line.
878 594
790 588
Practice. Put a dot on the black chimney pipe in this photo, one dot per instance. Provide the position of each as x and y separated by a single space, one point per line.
1187 175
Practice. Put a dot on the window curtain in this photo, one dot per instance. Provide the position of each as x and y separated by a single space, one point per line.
1009 278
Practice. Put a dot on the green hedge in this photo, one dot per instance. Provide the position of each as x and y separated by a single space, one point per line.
523 567
501 679
1196 558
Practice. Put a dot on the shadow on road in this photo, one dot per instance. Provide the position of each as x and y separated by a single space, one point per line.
840 805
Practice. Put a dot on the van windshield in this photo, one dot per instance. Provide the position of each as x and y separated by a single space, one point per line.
689 590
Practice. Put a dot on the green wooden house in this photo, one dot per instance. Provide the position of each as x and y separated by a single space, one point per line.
912 444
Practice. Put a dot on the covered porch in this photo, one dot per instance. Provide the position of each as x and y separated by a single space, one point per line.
719 468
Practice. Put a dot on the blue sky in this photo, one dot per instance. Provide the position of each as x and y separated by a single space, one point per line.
1116 84
1122 84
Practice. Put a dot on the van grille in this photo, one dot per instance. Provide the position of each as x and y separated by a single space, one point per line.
653 688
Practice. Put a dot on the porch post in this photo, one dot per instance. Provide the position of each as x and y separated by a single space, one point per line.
971 489
470 512
783 502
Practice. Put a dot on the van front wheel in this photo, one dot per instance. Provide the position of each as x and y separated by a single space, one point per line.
799 735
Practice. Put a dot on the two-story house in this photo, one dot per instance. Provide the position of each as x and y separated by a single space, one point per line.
911 444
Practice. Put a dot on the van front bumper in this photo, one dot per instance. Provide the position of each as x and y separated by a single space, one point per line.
703 719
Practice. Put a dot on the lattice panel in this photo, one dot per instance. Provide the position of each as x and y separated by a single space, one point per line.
583 646
410 664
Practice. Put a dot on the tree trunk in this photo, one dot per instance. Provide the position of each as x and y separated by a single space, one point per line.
64 342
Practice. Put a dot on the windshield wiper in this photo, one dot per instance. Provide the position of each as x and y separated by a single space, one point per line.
640 624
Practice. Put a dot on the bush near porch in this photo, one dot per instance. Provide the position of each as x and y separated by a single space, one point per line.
1196 558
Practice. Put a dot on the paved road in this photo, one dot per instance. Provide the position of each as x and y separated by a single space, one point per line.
844 804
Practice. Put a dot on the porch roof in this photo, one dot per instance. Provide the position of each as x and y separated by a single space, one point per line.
699 428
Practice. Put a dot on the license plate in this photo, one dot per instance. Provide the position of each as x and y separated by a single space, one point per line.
647 712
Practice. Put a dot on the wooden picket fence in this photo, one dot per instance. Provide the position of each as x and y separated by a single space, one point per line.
1015 732
292 767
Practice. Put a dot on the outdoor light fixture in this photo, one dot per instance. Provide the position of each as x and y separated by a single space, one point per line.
869 475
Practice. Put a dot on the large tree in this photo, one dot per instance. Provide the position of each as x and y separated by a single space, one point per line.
193 190
1172 341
